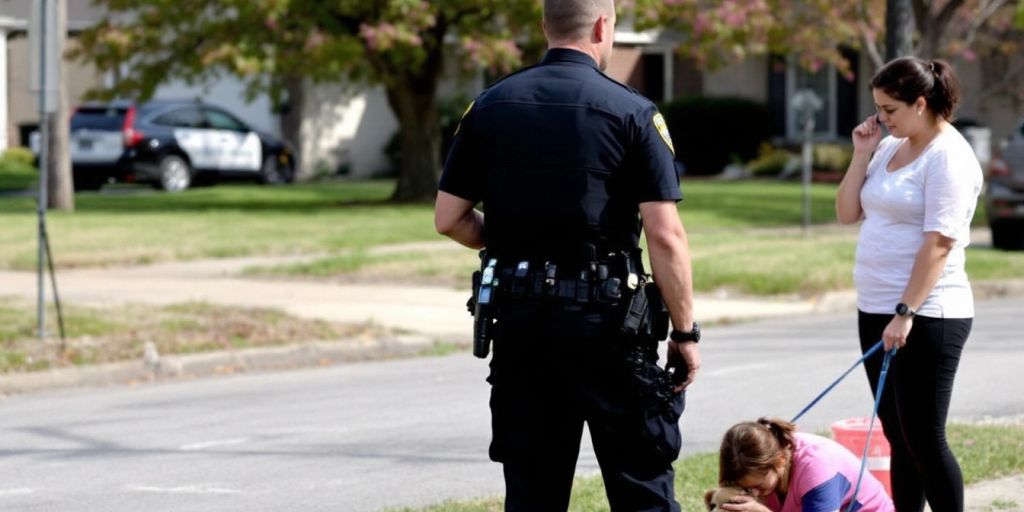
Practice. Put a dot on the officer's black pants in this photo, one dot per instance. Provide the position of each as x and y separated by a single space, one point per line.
556 366
913 409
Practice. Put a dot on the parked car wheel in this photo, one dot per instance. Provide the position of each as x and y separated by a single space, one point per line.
82 184
273 172
175 173
1007 235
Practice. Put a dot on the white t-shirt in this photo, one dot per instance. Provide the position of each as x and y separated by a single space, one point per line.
938 191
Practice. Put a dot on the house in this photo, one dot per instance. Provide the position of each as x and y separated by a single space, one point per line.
646 61
19 107
341 126
19 110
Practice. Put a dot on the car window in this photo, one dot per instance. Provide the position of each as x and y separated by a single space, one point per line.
223 121
181 118
98 118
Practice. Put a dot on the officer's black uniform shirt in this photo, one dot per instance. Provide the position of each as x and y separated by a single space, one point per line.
560 154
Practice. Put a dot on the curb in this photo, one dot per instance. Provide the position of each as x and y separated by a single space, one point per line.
846 300
324 353
990 289
191 366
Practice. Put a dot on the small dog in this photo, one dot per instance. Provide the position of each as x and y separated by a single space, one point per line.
715 497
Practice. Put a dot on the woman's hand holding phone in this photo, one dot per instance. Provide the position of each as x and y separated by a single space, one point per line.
867 135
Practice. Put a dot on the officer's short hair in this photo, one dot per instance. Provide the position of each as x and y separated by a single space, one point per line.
572 19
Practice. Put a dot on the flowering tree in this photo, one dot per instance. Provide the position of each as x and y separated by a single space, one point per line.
717 32
275 44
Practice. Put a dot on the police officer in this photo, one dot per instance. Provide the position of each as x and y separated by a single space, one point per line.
567 163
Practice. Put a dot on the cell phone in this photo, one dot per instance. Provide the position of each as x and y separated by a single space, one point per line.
877 120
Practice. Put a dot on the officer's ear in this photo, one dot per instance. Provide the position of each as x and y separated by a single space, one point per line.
598 35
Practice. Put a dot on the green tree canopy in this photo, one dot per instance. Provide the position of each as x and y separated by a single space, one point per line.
274 44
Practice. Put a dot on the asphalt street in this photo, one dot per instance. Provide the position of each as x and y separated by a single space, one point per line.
362 437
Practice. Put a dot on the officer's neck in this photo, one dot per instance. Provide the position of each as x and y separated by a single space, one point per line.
590 50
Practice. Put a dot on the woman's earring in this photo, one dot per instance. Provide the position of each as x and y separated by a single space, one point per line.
918 112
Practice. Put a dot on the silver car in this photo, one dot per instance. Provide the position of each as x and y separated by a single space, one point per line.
1004 197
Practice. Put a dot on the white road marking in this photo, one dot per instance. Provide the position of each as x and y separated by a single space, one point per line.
186 489
211 444
734 369
305 430
16 492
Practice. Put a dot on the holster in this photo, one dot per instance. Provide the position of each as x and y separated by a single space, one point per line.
482 306
646 315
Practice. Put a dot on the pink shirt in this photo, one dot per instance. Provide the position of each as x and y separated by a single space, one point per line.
823 478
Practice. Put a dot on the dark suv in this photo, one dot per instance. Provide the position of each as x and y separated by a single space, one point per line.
170 144
1004 197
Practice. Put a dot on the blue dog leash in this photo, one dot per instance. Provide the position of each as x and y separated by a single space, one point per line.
874 412
867 354
871 425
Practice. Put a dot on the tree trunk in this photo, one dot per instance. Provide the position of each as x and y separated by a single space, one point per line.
899 29
291 123
419 121
928 47
60 190
933 23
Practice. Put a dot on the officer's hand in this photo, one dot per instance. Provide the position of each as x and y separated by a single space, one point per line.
684 361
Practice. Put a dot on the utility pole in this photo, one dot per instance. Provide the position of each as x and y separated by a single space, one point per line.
45 75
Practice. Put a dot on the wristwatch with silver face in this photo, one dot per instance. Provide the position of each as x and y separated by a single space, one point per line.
904 310
694 335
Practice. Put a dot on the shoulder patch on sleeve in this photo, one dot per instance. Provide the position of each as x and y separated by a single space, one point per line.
470 107
659 124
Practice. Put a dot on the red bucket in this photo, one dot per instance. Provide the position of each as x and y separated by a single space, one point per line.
852 433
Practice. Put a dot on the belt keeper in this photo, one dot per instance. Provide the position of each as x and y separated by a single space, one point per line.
583 288
567 289
538 284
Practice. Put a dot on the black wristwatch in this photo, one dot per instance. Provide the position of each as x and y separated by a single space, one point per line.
904 310
694 335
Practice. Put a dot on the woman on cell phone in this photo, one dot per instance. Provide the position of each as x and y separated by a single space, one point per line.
915 191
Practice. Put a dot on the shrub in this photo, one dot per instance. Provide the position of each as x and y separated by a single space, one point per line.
829 161
832 157
16 169
18 154
712 132
770 161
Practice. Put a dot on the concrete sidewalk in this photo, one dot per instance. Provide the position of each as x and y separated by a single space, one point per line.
435 312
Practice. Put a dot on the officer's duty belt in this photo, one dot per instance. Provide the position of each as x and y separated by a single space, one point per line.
580 290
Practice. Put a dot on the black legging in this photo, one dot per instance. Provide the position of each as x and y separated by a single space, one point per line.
914 407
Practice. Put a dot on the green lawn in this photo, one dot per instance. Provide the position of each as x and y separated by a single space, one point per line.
984 452
744 236
220 221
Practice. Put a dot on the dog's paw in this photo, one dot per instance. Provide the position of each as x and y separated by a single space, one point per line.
713 498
